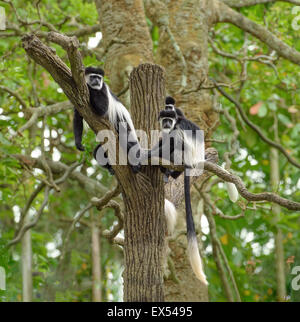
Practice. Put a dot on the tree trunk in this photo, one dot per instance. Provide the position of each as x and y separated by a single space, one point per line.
279 251
143 196
96 263
183 52
26 266
126 39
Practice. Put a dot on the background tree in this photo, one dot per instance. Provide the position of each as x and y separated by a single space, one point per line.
249 111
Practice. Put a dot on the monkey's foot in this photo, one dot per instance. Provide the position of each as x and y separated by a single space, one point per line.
136 168
79 147
111 171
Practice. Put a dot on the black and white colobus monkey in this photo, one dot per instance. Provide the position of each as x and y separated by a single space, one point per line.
104 103
173 125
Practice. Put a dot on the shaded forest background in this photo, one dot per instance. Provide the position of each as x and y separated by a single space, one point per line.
73 252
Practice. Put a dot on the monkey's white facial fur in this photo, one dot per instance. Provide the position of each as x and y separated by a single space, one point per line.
167 124
95 81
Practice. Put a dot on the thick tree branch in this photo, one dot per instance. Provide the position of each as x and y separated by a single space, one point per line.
71 45
72 83
226 14
102 202
228 177
268 196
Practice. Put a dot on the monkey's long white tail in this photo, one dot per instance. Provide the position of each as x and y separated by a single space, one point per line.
171 216
195 259
232 191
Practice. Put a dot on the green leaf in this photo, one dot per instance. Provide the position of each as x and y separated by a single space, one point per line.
284 119
263 110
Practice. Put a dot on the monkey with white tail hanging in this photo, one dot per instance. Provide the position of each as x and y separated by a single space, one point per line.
181 136
181 140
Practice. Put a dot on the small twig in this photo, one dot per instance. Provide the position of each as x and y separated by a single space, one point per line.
16 95
123 91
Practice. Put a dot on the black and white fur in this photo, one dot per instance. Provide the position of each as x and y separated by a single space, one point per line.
104 103
174 124
231 188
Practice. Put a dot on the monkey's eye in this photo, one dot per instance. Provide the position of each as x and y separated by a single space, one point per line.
92 77
169 107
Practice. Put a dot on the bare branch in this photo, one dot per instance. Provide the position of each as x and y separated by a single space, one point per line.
83 31
58 168
34 222
15 94
43 111
269 196
119 226
228 177
101 202
71 45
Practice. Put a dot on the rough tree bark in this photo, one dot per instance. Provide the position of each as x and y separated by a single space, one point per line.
96 261
279 250
144 228
26 267
126 40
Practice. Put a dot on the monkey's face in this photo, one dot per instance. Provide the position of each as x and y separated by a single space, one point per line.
167 120
95 81
167 124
